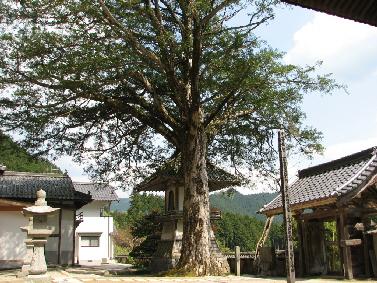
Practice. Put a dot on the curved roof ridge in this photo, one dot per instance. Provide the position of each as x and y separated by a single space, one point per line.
357 174
337 163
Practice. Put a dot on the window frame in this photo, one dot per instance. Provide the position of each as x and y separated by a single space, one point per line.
97 237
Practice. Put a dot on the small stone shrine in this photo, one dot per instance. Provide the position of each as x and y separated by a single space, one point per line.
167 179
37 234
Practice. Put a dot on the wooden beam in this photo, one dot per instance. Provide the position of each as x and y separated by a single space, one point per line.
344 235
238 261
305 241
301 260
10 208
320 214
287 217
302 206
264 236
7 203
350 242
356 193
262 240
366 251
60 235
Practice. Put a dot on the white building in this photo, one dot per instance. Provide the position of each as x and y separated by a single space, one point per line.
94 240
18 190
80 232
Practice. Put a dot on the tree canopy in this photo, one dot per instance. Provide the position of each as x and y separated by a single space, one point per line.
126 84
109 78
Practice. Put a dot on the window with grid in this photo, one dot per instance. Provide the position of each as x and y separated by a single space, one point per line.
90 241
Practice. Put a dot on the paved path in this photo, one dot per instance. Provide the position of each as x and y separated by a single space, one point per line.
65 277
99 273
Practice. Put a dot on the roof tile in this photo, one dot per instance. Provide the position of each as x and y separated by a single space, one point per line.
331 179
98 191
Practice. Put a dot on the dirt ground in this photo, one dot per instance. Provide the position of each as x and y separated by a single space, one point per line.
121 273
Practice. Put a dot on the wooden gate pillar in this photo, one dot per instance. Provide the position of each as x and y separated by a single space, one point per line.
301 259
346 250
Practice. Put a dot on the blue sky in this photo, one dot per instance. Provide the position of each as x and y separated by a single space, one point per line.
349 51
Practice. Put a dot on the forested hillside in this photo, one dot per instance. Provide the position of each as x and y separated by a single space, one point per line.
234 203
241 204
16 158
122 205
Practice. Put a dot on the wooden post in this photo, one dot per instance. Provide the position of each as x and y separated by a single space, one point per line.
305 241
366 251
344 235
301 261
289 254
238 261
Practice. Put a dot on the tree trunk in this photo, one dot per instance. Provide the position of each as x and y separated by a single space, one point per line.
196 253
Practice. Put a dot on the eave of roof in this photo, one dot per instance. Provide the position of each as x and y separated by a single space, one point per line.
24 185
328 181
361 11
98 191
168 175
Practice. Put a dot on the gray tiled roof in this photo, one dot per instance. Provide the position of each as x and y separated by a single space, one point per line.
18 185
98 191
330 180
169 173
362 11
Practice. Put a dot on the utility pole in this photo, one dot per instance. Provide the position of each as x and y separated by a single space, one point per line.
289 254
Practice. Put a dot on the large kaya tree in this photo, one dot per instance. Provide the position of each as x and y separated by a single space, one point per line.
126 83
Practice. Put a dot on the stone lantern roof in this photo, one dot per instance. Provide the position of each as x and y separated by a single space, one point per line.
169 174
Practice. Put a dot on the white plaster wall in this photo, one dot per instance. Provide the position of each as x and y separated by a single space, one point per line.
66 245
67 230
94 224
12 245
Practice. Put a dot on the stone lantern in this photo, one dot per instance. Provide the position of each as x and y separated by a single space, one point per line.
38 232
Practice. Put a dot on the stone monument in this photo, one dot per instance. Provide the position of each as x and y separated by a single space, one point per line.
37 234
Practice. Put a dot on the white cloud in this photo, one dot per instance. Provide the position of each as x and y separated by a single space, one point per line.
342 149
347 48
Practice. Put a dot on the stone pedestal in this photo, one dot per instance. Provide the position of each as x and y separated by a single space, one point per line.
38 263
29 255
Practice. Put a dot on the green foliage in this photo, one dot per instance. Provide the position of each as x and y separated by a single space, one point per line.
142 205
332 248
245 231
135 228
117 82
239 230
242 204
276 237
16 158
